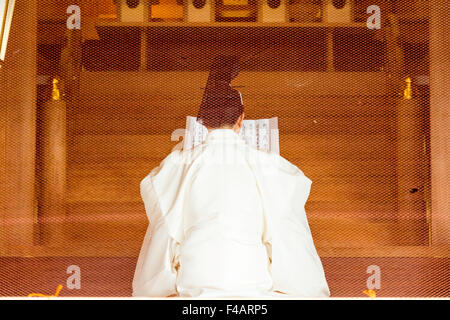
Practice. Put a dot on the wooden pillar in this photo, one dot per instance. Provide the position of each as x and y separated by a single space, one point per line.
330 50
395 55
144 41
410 173
3 113
52 173
440 119
89 16
19 87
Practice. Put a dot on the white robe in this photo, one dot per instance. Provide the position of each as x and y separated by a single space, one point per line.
227 220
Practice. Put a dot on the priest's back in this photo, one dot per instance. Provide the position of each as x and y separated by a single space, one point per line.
223 251
227 220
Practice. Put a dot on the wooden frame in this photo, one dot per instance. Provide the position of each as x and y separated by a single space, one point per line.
262 6
189 10
329 12
144 3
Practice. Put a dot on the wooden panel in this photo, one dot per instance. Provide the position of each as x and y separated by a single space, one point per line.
112 223
159 115
110 124
111 187
150 104
413 9
107 188
335 126
105 224
347 167
103 181
351 208
53 10
270 49
319 147
95 148
102 164
125 211
358 51
120 129
256 84
318 169
120 53
352 232
52 32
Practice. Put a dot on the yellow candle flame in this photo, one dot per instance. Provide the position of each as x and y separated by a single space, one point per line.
407 94
55 90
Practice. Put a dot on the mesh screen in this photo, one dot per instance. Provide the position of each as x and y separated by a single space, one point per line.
348 117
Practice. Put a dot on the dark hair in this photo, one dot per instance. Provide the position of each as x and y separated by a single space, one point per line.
221 106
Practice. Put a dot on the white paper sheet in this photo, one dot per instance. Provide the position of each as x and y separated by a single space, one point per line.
261 134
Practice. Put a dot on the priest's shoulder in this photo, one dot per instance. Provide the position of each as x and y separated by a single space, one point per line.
276 161
175 157
182 157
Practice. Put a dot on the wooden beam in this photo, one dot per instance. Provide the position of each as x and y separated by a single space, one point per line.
440 119
115 24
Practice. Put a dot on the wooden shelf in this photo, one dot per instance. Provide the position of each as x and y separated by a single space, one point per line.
117 24
206 33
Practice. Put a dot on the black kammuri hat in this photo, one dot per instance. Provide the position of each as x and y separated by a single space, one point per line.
221 105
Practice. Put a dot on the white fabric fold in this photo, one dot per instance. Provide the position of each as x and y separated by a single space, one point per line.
227 220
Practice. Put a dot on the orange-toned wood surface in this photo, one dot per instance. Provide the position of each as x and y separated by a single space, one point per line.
400 277
52 168
3 119
338 128
440 176
18 118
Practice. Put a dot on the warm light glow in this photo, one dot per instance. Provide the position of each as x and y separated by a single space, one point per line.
371 293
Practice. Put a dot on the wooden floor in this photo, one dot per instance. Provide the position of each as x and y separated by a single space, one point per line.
400 277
